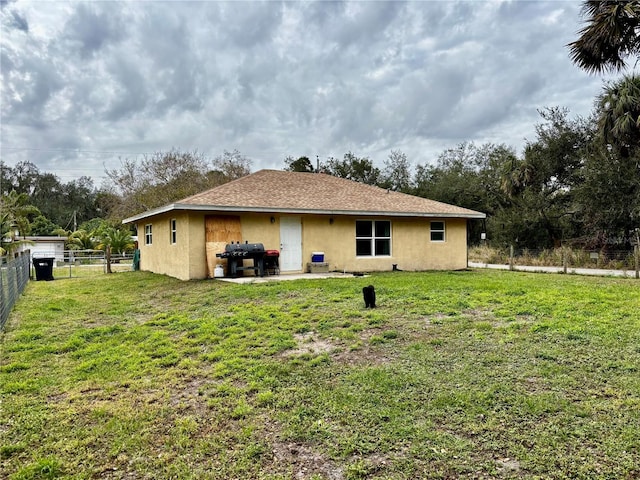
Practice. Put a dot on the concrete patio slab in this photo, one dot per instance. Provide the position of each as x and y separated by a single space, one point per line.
289 276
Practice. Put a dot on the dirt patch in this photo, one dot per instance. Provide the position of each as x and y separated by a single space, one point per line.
309 343
478 313
507 465
190 396
304 463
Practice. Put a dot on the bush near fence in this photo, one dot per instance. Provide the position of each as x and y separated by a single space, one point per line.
575 258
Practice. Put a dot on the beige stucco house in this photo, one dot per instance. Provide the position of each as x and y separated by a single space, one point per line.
358 227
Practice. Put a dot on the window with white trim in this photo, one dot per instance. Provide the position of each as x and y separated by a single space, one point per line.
173 232
148 234
437 231
373 238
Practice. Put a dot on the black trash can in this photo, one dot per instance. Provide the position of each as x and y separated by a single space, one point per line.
44 268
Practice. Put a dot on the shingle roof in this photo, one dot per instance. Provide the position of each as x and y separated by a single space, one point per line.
293 192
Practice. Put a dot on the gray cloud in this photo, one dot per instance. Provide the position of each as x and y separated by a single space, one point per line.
82 80
93 27
19 22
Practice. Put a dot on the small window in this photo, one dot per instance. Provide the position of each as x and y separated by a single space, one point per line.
173 239
148 234
437 231
373 238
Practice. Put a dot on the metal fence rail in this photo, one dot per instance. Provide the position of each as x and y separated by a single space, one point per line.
83 263
14 276
575 258
557 257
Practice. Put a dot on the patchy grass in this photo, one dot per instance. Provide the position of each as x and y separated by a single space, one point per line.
454 375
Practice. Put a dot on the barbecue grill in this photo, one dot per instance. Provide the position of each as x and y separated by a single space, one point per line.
236 253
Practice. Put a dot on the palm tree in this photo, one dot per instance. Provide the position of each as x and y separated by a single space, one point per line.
6 231
611 35
114 240
82 240
17 209
119 241
619 114
8 242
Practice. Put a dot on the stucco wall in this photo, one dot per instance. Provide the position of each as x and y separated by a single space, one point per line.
184 259
257 228
411 247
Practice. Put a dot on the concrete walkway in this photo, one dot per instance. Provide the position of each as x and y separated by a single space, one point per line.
575 271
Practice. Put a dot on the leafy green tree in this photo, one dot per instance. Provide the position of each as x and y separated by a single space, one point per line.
5 178
609 197
612 34
468 176
61 203
353 168
65 204
21 178
42 226
93 225
396 174
541 185
301 164
608 200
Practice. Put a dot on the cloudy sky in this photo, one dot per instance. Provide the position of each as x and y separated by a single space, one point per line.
87 83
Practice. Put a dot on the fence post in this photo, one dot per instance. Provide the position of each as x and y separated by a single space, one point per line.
511 257
636 251
565 260
14 276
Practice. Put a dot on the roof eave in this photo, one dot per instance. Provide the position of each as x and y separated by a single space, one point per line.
245 209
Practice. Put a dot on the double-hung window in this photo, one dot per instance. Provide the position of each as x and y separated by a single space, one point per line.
148 234
173 232
437 231
373 238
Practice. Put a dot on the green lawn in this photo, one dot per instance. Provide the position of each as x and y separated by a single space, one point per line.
455 375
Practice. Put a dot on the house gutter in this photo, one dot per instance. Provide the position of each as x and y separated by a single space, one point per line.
267 210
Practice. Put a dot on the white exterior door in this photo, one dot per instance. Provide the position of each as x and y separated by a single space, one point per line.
290 244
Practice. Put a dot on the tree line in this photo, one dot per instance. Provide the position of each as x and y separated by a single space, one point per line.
576 182
35 203
568 186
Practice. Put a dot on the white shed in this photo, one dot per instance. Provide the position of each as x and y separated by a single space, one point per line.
44 247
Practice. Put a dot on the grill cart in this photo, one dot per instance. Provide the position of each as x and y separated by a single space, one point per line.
237 253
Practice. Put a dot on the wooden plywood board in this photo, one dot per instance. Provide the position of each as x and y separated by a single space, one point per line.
223 228
219 231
